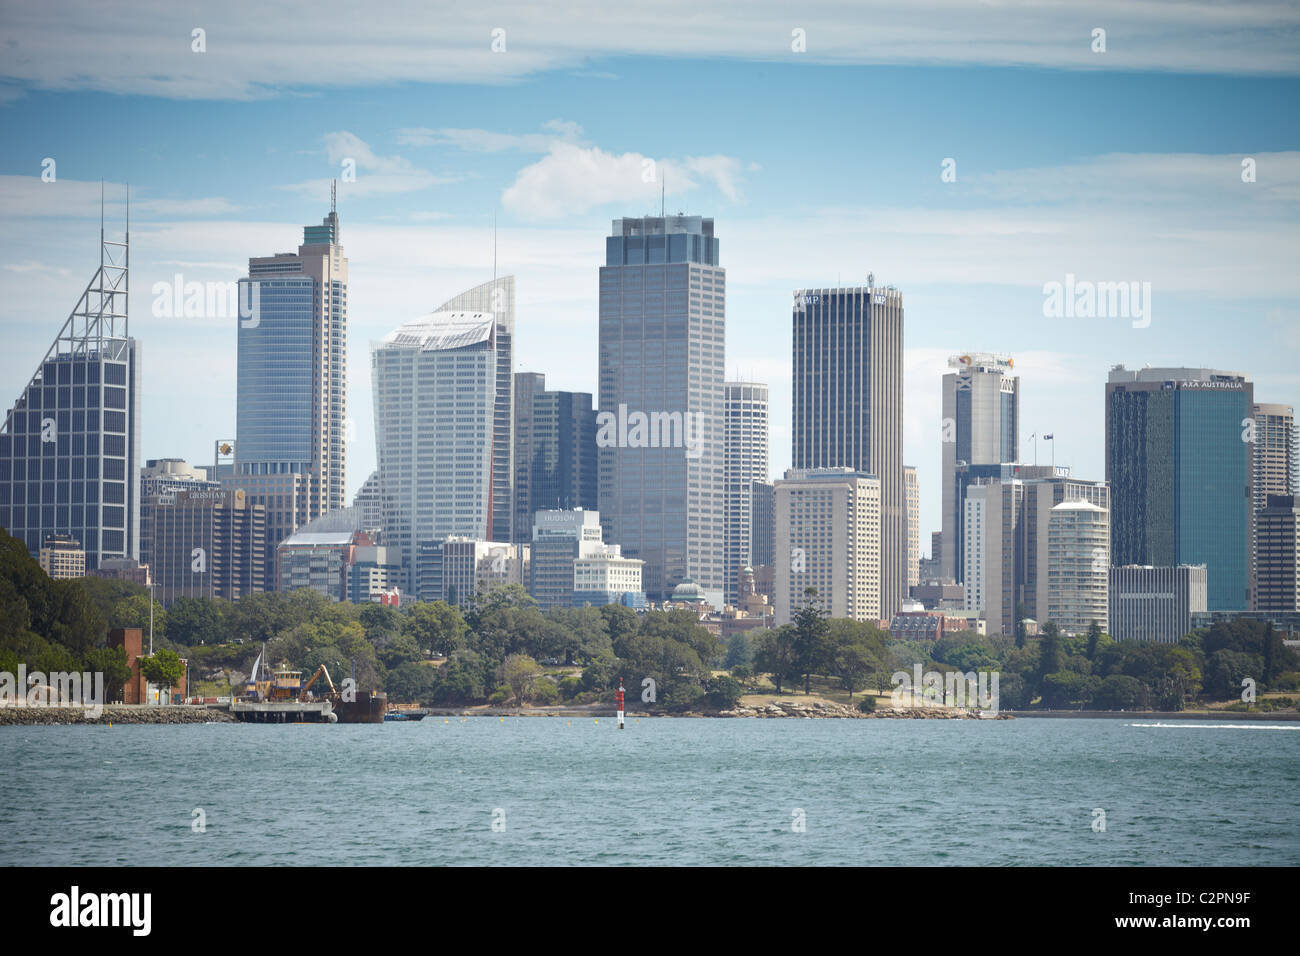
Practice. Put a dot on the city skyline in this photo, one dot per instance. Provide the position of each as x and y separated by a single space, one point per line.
1143 191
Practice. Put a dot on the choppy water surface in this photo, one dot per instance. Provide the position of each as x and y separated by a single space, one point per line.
663 791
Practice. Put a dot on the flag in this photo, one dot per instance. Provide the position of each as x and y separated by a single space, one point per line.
1047 438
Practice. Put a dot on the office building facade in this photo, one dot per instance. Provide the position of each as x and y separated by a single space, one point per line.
980 428
291 413
1007 548
1180 474
912 556
1278 554
70 445
1155 604
555 451
659 429
848 404
745 444
828 538
497 299
1078 566
207 543
559 539
436 394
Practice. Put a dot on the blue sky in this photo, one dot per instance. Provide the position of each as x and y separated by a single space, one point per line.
818 167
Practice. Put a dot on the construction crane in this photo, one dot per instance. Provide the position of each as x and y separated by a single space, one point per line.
303 695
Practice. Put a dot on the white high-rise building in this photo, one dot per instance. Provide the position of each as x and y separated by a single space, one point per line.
436 395
912 556
981 413
1078 566
828 538
746 461
497 299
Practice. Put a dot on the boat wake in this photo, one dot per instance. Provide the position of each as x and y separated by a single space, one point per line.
1223 726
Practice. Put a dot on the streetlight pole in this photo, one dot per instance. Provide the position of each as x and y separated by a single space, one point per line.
151 619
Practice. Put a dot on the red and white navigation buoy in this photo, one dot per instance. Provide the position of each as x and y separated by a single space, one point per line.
620 703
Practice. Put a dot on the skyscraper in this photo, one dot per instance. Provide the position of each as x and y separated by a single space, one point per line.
1078 569
527 384
745 462
555 451
497 299
848 403
70 446
1180 474
828 539
1006 539
659 429
290 454
1278 551
207 543
912 556
981 416
1276 470
435 385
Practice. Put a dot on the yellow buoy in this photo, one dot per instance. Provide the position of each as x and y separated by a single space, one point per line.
503 720
596 719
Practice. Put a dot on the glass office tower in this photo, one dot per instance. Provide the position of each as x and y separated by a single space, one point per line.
70 446
1181 474
659 425
291 414
848 404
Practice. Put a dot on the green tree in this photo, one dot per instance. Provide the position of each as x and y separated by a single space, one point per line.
740 653
133 611
775 655
111 662
411 682
1121 692
164 669
1094 636
195 621
436 626
1049 650
856 649
812 649
521 674
724 692
1021 631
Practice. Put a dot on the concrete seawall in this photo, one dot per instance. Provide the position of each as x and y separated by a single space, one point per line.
115 714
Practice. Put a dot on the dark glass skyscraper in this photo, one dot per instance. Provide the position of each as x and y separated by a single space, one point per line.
290 452
659 429
848 404
70 446
555 451
1179 468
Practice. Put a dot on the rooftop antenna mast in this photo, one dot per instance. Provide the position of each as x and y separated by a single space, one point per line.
334 195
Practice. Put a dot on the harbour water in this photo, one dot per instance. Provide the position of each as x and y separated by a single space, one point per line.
575 791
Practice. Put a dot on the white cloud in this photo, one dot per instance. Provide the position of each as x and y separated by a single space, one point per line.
571 180
256 50
376 175
491 141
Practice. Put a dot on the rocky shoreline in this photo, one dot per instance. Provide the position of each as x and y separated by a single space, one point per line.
825 709
114 714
